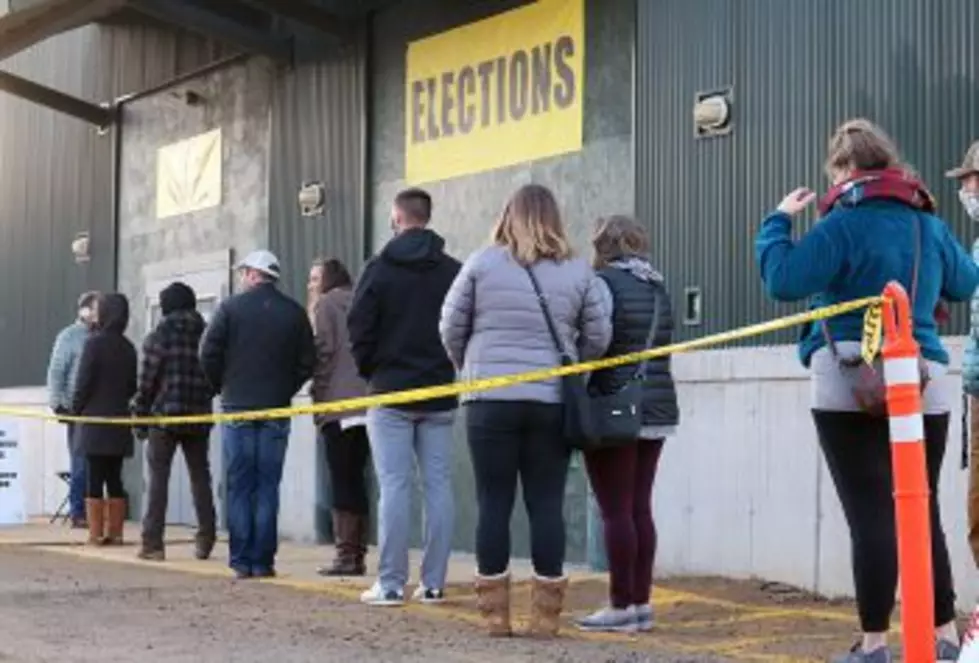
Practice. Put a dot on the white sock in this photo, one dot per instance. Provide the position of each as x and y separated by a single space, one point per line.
874 641
948 632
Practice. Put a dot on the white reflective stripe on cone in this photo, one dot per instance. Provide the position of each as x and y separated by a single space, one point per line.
970 640
910 428
903 370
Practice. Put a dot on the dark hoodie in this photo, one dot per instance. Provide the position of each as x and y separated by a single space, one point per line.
394 317
106 381
171 381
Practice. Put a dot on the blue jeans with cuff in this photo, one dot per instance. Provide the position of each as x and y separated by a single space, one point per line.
254 455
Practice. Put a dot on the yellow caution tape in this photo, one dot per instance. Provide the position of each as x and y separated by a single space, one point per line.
873 324
457 388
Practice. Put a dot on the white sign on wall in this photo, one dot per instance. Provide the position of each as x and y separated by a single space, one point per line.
12 510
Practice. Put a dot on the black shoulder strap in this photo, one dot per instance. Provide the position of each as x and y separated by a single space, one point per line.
546 310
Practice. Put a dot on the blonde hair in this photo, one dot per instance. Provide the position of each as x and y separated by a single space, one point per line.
530 227
618 236
860 144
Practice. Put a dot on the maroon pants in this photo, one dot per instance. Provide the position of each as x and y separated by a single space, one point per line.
622 479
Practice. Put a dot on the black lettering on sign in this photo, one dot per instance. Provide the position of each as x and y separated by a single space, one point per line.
448 101
3 454
485 70
564 93
519 80
4 484
466 89
8 445
500 90
417 92
510 88
433 127
541 77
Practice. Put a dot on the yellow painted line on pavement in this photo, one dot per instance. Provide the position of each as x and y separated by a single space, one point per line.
346 590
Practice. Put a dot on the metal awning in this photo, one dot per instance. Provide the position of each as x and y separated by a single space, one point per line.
272 28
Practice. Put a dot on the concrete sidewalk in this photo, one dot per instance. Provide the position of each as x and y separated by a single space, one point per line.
737 620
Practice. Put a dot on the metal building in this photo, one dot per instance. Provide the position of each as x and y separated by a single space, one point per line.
697 115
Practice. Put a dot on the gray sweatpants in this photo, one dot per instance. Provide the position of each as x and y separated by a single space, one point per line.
399 439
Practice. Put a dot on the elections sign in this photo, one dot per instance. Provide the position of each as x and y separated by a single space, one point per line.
494 93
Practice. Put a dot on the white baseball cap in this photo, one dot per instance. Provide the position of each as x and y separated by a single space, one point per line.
263 261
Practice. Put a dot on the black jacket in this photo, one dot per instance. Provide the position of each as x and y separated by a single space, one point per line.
106 382
258 350
636 290
171 381
394 318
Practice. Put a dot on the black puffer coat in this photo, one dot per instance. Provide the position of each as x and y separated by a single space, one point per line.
106 381
637 290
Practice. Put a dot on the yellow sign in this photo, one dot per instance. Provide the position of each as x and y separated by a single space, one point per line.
872 329
188 175
498 92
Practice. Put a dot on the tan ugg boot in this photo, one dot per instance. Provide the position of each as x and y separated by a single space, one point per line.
493 600
546 604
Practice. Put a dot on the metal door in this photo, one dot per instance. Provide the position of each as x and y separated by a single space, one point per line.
211 282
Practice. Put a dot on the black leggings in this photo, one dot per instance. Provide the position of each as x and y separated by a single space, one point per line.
858 453
510 440
347 453
104 471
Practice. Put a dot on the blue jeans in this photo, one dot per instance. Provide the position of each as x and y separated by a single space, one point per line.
254 453
79 478
398 440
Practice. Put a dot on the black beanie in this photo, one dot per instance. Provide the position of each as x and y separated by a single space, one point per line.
177 297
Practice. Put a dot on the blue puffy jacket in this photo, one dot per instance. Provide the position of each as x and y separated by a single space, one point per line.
970 363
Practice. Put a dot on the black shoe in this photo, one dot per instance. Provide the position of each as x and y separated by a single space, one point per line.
263 573
203 549
242 574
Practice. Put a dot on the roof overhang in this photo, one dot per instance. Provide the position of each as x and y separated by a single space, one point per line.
272 28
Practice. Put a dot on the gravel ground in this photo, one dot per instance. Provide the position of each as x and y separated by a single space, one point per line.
62 609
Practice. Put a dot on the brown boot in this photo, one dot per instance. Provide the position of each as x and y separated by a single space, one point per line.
116 519
546 603
493 600
345 538
95 515
360 549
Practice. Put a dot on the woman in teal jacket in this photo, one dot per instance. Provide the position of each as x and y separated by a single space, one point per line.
877 224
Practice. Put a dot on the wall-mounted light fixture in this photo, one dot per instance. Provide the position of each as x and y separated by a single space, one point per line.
712 113
312 198
80 248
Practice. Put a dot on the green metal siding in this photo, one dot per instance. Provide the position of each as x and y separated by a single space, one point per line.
56 180
797 69
318 136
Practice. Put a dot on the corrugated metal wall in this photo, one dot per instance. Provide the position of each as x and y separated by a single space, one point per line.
56 179
797 69
318 136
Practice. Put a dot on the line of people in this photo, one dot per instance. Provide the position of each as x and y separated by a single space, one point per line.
417 317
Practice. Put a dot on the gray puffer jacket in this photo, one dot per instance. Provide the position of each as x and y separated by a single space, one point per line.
492 322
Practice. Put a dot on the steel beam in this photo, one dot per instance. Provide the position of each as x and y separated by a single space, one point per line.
209 24
100 116
26 27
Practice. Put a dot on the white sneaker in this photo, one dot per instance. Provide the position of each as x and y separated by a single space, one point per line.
612 620
644 617
377 595
426 595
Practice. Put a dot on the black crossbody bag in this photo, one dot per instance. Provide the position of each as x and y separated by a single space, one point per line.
593 422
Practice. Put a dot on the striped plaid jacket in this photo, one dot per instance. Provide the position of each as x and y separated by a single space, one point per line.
171 381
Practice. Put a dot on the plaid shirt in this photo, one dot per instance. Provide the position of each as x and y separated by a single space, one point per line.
171 381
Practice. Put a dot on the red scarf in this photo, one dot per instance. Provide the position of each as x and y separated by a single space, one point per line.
891 183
